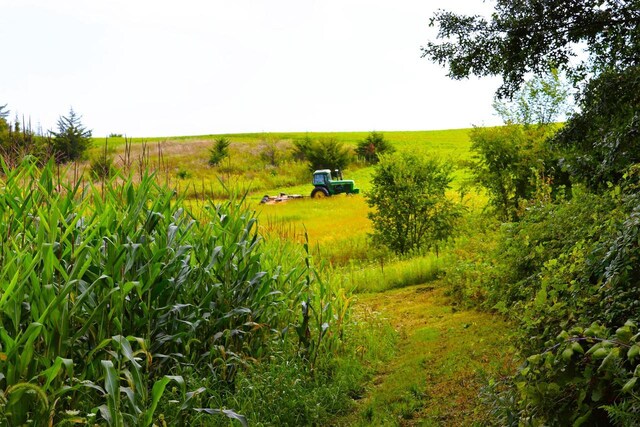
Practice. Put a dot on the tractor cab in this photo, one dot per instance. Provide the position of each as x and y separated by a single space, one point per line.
322 177
327 183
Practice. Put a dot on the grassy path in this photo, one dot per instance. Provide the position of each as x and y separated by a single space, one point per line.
434 378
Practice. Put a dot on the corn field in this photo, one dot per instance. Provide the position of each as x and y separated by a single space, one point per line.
113 295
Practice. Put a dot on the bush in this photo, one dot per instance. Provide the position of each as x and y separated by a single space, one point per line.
587 376
511 162
373 146
19 140
326 153
602 139
567 273
219 151
273 152
411 210
102 167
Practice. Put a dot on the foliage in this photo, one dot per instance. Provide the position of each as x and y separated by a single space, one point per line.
412 211
301 147
540 101
273 152
72 139
18 140
328 153
501 167
373 146
603 139
219 151
528 37
587 377
512 161
563 266
110 294
524 37
102 166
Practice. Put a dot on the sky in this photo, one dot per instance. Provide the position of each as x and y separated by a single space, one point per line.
192 67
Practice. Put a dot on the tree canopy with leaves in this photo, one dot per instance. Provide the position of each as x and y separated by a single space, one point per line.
530 36
596 42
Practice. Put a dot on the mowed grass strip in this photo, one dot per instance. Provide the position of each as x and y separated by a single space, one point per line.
434 377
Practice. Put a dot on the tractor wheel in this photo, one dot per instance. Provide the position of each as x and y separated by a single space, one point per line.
319 193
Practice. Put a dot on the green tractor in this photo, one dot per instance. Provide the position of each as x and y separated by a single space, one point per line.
327 183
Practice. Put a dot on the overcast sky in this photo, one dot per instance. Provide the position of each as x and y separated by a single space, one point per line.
189 67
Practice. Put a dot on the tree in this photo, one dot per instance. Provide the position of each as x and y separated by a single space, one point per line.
72 139
525 37
4 113
411 210
528 36
541 101
5 128
603 140
219 151
373 146
499 167
301 147
510 159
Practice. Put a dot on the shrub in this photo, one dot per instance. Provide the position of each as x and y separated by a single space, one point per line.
183 174
301 147
274 152
102 167
373 146
587 376
411 209
326 153
219 151
18 140
567 273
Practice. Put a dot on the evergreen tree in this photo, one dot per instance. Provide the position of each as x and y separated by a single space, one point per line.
72 139
219 151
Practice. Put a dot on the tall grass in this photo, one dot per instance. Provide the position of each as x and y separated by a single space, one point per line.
108 294
384 275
